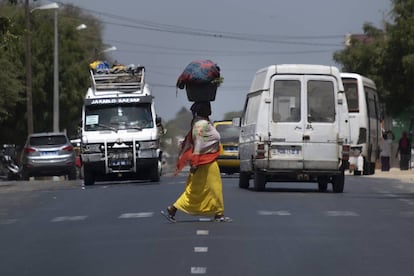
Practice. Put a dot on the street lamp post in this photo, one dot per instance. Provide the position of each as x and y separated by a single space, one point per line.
55 7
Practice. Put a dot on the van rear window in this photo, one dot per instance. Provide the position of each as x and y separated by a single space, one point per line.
286 101
321 101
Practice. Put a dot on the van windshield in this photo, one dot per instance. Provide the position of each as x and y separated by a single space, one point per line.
104 117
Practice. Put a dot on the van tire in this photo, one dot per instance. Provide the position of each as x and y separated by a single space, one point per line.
259 181
338 183
244 180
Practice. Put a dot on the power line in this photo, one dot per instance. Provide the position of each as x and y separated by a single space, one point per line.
168 28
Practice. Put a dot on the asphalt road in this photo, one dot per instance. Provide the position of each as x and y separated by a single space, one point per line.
62 228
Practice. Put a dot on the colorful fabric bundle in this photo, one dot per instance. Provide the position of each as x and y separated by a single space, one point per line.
199 72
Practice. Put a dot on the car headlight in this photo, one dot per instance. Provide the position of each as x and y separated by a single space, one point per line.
91 148
148 145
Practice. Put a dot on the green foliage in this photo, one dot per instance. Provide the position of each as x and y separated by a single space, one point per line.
386 56
76 51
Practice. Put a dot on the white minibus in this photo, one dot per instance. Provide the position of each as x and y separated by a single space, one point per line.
364 116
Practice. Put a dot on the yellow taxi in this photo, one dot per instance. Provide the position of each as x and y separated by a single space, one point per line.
228 159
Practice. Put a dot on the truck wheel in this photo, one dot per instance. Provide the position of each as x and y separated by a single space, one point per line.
322 184
88 177
244 180
259 181
155 173
338 182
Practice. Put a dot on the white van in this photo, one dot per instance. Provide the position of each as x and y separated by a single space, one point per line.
295 127
364 117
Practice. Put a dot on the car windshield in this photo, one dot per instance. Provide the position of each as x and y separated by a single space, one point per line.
228 133
108 117
48 140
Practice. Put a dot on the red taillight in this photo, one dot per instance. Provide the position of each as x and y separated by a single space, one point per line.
260 152
29 150
68 148
345 152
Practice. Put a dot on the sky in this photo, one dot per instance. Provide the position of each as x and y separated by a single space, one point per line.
240 36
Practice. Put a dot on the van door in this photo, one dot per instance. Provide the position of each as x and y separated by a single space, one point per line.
303 126
320 138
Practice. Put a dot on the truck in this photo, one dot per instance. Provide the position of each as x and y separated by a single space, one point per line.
295 127
120 130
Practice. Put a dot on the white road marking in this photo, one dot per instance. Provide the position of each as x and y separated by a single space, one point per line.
136 215
341 214
198 270
72 218
407 214
202 232
201 249
8 221
204 219
407 201
274 213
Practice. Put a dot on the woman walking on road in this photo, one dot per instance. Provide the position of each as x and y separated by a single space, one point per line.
203 193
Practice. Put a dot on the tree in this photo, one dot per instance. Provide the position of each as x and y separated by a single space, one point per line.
398 63
386 56
76 51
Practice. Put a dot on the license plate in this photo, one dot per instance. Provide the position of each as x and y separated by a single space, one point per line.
286 151
119 163
48 153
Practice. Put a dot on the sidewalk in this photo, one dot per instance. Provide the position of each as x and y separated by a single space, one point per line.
395 173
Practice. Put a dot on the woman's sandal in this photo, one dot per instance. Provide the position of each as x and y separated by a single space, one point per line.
170 214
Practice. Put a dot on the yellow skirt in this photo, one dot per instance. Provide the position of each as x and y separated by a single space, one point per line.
203 194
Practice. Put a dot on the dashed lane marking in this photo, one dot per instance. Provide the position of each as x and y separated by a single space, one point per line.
8 221
341 214
274 213
198 270
407 201
136 215
200 249
67 218
202 232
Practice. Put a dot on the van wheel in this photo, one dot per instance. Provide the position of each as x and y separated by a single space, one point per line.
322 184
338 182
244 180
259 181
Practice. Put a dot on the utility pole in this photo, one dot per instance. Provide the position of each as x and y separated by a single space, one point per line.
28 58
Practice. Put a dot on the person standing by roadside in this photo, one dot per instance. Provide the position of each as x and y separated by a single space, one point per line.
203 192
385 153
404 149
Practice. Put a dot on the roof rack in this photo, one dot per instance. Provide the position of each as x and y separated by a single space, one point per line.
127 80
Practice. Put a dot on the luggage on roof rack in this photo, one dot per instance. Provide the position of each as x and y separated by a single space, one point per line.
127 81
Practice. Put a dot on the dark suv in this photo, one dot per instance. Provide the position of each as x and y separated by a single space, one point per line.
48 154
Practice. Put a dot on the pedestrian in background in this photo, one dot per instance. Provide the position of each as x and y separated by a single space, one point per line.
404 149
385 151
203 192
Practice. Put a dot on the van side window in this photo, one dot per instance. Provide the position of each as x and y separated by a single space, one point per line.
286 101
371 103
321 101
251 110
